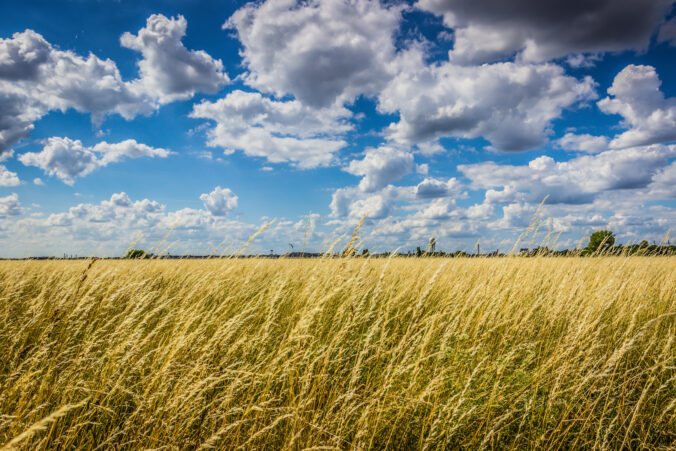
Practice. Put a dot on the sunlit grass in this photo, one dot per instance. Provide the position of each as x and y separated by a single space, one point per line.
339 353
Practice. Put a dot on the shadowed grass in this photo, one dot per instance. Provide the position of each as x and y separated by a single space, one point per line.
339 353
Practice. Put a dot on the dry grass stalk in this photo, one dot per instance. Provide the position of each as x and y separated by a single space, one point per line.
332 353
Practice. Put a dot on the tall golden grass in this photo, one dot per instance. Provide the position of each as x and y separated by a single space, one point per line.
346 353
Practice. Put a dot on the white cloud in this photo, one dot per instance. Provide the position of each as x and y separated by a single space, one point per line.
433 198
583 143
411 221
438 209
430 148
7 155
63 158
508 194
36 78
649 117
220 201
109 226
518 214
539 31
168 70
433 187
321 52
38 181
10 206
576 181
422 168
481 212
381 166
7 177
129 148
68 159
118 211
21 56
351 202
354 203
17 114
341 200
280 131
509 104
664 183
375 206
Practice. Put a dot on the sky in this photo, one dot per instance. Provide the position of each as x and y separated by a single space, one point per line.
183 126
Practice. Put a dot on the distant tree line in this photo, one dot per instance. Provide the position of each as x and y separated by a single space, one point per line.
601 242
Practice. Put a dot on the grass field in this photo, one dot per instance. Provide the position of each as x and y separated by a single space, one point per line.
339 353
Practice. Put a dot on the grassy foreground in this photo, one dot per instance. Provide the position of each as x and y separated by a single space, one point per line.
342 353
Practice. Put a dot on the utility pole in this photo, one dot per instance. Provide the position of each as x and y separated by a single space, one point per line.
478 248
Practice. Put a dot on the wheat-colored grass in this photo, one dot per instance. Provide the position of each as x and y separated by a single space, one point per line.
347 353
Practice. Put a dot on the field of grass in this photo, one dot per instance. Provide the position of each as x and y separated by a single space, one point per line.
402 353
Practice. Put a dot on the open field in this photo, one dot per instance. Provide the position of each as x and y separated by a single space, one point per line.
341 353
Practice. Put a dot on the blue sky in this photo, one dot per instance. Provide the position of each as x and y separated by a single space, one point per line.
128 120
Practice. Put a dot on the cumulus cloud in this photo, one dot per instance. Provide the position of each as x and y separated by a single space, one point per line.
10 206
36 78
411 221
6 156
63 158
664 182
509 104
68 159
481 212
21 56
7 177
109 226
434 187
320 52
375 206
518 214
381 166
583 143
433 198
354 203
168 70
17 114
280 131
507 194
438 209
38 181
422 168
118 211
129 148
220 201
539 31
636 96
576 181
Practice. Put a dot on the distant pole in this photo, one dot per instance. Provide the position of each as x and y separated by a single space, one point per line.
432 245
478 248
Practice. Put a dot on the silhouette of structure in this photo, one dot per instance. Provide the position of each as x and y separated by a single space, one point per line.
432 245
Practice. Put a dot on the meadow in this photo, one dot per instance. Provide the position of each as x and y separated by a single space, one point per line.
339 353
